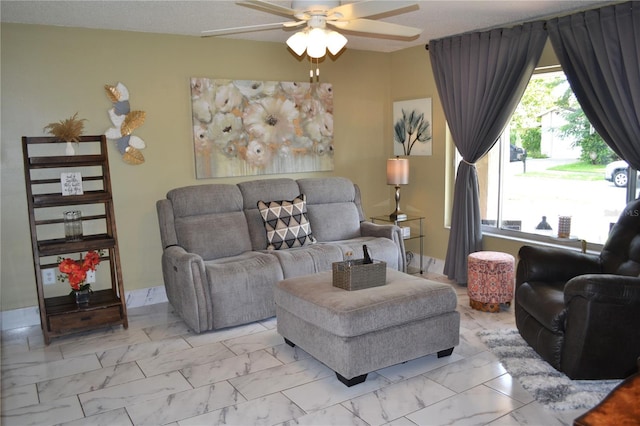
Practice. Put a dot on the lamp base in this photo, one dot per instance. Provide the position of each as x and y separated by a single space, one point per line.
398 216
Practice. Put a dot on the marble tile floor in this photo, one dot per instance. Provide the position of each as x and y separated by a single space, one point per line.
159 372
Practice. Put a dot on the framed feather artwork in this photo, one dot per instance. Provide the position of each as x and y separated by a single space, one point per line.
412 127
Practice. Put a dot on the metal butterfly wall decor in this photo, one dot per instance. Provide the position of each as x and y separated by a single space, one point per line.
125 122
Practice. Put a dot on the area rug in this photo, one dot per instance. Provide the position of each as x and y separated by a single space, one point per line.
548 386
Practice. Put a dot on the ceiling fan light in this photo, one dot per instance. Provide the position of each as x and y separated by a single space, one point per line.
335 42
298 42
317 43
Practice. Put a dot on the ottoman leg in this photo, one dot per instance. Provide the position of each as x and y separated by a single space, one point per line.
289 342
445 352
351 382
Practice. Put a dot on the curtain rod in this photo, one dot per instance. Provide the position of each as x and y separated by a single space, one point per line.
544 26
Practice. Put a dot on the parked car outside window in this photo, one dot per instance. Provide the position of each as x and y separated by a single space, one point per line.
616 172
516 153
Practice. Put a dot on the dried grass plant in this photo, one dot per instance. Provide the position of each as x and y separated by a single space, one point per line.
68 130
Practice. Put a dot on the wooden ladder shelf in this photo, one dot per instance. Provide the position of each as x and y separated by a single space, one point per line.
59 314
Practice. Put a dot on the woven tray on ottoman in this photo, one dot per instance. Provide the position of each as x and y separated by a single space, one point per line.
357 332
356 275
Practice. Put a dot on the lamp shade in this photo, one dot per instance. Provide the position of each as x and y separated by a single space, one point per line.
335 42
317 43
397 171
298 42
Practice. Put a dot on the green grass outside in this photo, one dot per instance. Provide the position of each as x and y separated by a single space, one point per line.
580 168
575 171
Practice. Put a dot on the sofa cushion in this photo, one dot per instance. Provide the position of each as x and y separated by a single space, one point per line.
308 260
286 223
209 220
241 287
379 249
332 208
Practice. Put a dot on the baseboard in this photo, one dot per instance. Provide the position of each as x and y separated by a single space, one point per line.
29 316
429 264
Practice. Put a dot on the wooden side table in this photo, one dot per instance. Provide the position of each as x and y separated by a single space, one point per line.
619 408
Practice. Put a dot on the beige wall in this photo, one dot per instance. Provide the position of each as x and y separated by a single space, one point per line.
50 73
412 78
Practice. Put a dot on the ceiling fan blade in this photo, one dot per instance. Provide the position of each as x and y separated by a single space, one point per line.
265 6
248 29
367 8
377 27
293 24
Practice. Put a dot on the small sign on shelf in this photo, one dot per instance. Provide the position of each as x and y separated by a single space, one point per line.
71 183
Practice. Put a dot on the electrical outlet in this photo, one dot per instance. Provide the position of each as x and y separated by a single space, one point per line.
91 277
49 276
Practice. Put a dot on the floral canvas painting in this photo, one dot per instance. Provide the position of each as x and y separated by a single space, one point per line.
243 127
412 127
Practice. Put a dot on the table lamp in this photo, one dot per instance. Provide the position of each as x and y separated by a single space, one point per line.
397 174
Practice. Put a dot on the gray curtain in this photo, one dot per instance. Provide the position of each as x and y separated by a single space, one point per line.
480 79
599 51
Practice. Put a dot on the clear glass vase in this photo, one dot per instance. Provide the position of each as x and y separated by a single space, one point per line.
73 225
82 297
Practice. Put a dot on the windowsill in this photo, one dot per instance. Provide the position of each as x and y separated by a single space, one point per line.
572 243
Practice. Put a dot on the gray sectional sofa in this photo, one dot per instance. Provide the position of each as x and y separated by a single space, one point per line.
216 266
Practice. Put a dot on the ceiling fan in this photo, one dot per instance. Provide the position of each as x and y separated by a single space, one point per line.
315 38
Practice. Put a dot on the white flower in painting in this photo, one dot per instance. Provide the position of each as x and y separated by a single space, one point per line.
230 150
324 92
200 140
296 91
200 86
272 120
258 154
256 89
224 128
319 126
324 148
227 98
201 110
311 108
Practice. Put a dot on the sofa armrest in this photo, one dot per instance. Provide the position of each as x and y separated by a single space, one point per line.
168 236
185 280
604 288
549 264
602 326
392 232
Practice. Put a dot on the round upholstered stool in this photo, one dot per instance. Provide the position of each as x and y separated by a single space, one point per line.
490 281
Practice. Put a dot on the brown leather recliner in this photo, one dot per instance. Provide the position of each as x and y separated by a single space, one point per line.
581 312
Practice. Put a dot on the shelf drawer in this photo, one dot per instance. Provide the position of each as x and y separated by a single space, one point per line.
64 323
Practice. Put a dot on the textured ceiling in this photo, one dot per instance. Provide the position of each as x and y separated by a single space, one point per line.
436 18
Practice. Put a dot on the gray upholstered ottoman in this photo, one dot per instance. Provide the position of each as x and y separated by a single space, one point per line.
356 332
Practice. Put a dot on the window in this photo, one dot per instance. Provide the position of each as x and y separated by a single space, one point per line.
549 162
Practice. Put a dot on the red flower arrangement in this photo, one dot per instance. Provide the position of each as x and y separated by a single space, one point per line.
76 270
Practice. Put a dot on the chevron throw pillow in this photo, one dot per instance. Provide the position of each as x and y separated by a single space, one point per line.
286 223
